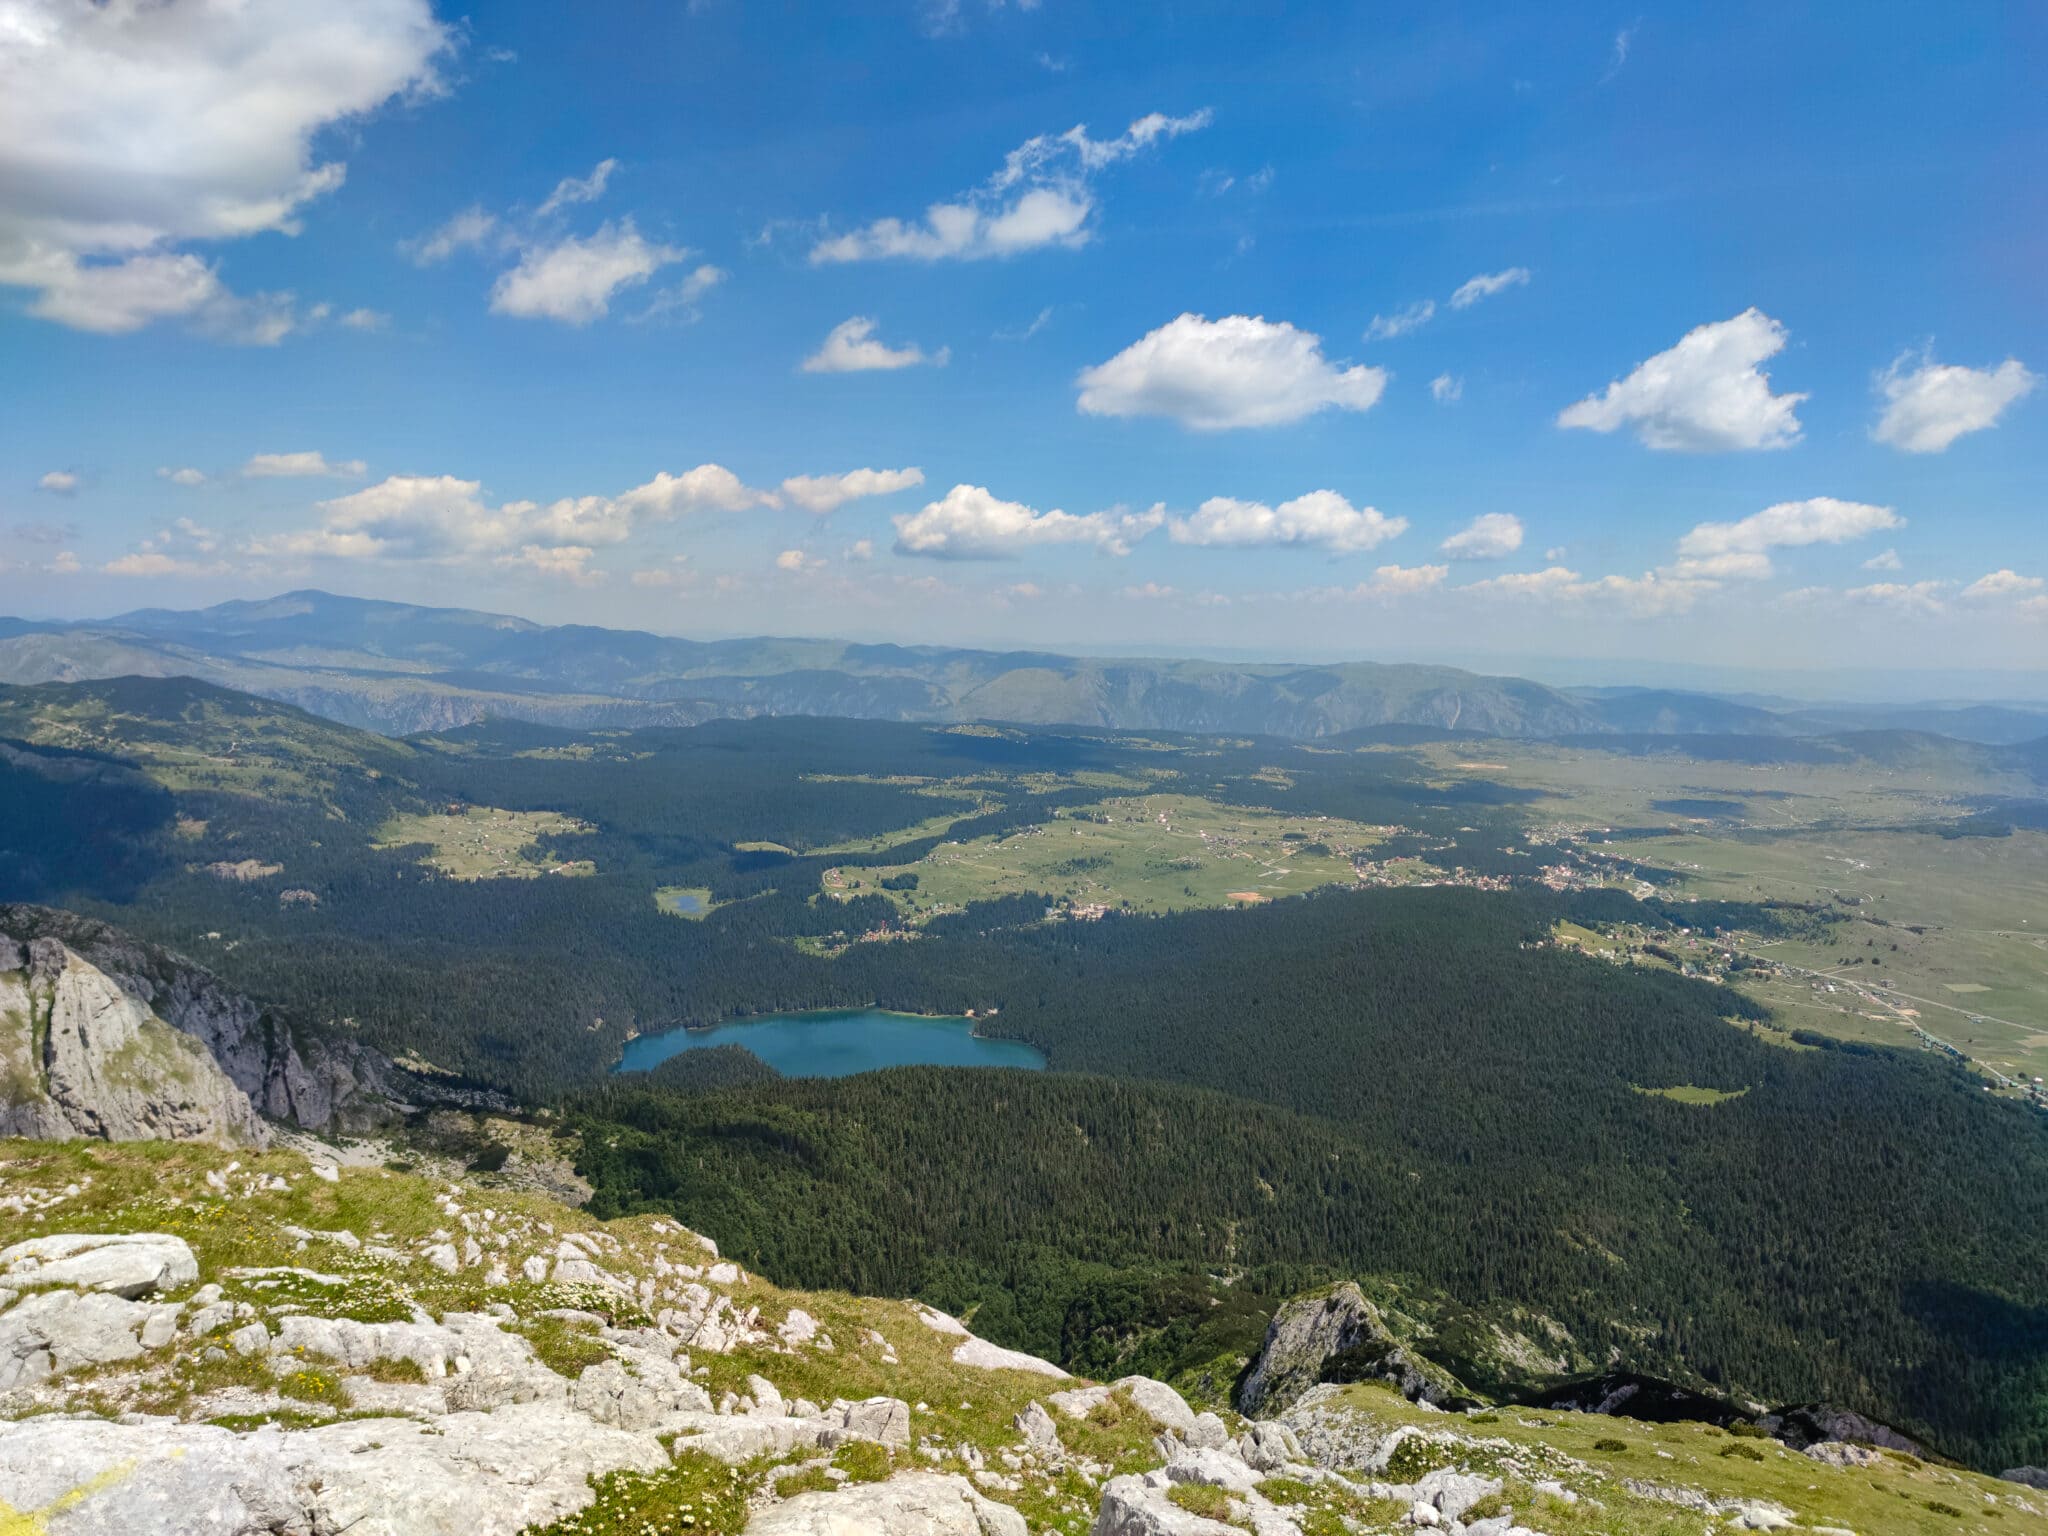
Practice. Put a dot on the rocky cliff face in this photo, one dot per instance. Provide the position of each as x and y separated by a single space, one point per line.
288 1075
1337 1335
81 1057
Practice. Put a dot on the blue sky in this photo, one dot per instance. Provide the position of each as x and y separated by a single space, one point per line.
1642 335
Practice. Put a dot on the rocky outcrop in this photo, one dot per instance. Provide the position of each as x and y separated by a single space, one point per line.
80 1056
294 1076
1336 1336
914 1504
1816 1423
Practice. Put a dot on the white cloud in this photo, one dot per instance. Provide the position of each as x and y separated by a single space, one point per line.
1705 395
127 129
682 298
64 563
1489 536
1321 518
827 493
58 482
852 347
442 518
467 230
1930 405
1240 371
1402 580
366 320
1040 198
285 466
1025 333
1413 318
1916 597
1649 595
2001 585
1742 549
674 574
971 524
1486 285
187 477
797 562
571 190
1885 560
574 280
156 563
560 562
1446 389
859 552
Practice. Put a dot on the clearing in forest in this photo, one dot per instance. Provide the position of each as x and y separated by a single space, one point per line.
1148 853
482 842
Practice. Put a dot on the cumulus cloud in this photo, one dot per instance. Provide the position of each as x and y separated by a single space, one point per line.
1490 536
58 482
681 300
2003 585
1650 595
970 523
852 347
579 189
827 493
127 130
1486 285
574 279
301 466
182 549
1239 371
1042 197
366 320
1742 549
1413 318
447 519
1705 395
1401 581
1928 405
1912 597
1445 389
1885 560
1322 519
560 562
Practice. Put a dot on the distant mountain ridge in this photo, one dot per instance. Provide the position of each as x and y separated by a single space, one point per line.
399 668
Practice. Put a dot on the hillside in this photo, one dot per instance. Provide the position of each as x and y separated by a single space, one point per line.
286 1343
400 668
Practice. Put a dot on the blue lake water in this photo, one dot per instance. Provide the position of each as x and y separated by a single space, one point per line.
840 1042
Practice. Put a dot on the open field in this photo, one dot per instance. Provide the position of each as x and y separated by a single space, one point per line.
482 842
1150 853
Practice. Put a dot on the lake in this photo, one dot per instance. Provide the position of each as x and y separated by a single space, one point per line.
840 1042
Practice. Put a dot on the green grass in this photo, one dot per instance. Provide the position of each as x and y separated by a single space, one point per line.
1687 1093
687 901
485 843
1149 853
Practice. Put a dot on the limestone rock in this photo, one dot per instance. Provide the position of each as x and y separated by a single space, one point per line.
1166 1406
87 1477
911 1504
126 1264
1038 1429
993 1357
885 1420
80 1057
52 1332
1268 1446
1338 1335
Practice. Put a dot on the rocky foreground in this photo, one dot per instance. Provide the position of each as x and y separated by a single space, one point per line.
195 1340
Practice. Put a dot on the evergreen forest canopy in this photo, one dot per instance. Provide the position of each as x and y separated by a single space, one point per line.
1416 1085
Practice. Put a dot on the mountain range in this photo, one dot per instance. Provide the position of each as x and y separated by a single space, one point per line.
397 668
